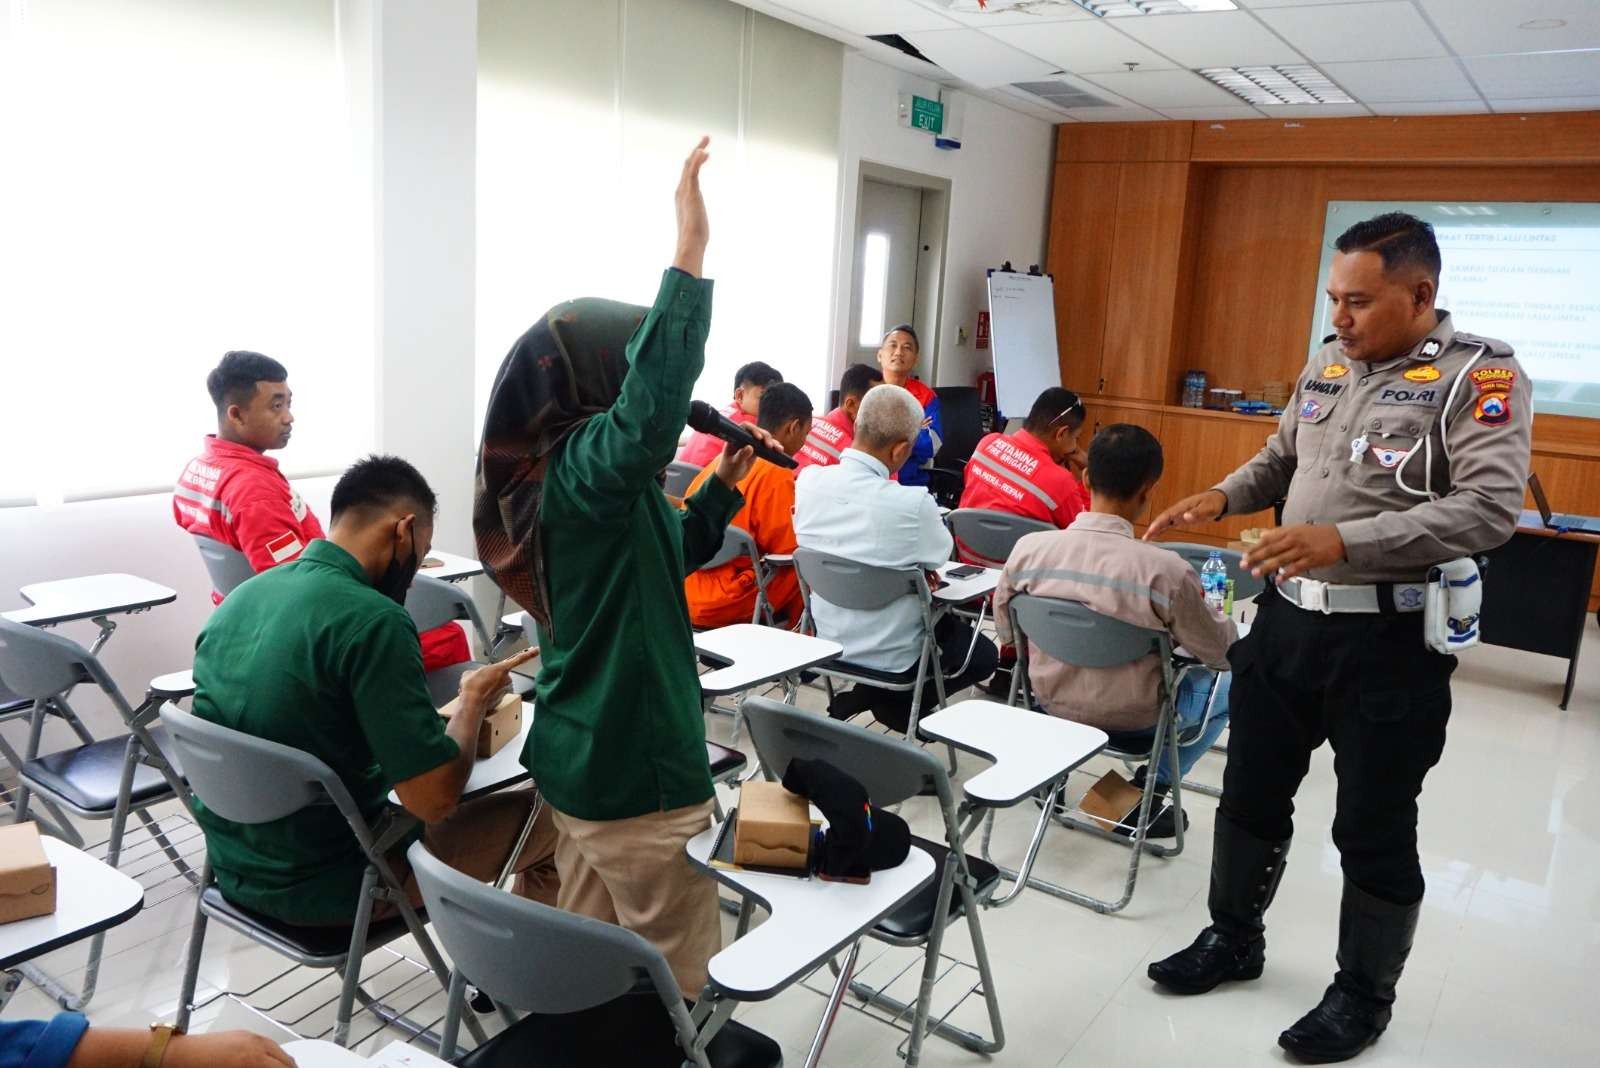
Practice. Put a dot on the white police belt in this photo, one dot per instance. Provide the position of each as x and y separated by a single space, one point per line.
1332 599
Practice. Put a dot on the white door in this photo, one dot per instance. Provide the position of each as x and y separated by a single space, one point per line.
887 254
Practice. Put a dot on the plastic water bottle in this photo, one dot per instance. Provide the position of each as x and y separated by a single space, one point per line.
1214 580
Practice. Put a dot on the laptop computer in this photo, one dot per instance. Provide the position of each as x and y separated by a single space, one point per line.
1581 524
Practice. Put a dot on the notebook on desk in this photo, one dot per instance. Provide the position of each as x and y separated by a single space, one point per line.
1576 523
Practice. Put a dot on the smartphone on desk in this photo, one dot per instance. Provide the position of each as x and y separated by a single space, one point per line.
964 571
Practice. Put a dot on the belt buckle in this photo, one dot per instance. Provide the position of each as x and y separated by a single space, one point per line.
1314 596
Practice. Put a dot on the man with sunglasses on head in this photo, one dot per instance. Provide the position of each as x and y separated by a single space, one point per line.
1036 472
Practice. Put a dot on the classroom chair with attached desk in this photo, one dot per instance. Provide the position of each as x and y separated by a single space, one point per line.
251 780
593 992
893 771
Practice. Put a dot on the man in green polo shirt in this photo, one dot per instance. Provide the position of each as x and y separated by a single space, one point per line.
320 654
586 411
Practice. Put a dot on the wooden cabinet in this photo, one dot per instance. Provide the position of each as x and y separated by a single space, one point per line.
1201 449
1083 203
1100 414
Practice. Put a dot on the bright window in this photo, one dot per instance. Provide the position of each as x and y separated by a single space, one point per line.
181 181
874 288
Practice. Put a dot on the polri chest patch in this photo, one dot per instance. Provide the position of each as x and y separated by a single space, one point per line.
1416 396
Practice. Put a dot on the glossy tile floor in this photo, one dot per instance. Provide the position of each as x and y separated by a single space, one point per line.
1503 973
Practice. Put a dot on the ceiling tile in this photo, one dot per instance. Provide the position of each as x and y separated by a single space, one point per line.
1293 3
1164 89
1222 111
1548 74
1431 107
867 17
1402 79
1340 33
1211 39
1547 103
1082 47
1493 28
975 57
1313 111
1059 12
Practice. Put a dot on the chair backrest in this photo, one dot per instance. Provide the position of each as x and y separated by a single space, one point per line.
532 957
736 542
247 779
961 416
226 565
1245 585
679 475
1075 634
433 602
36 664
990 534
849 584
890 769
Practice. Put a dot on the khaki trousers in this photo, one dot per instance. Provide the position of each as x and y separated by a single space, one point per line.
634 872
476 841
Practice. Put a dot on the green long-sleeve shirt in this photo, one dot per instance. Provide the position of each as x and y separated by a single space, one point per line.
619 730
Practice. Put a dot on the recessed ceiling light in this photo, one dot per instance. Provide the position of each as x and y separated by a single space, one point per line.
1289 84
1111 9
1542 24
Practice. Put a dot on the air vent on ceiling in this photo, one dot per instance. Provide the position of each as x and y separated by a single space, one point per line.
1062 95
900 44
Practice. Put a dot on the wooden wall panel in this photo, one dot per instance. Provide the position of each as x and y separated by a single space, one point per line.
1084 142
1201 450
1083 207
1569 137
1152 208
1100 414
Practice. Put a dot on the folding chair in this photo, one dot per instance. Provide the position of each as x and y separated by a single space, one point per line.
251 780
989 536
864 587
226 565
893 771
432 603
679 475
594 992
1074 634
95 780
737 542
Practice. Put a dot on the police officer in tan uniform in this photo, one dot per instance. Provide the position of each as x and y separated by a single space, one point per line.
1405 446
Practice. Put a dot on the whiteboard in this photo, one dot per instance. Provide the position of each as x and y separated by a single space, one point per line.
1022 329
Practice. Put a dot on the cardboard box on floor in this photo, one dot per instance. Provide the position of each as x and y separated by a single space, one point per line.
500 724
1110 801
774 828
27 879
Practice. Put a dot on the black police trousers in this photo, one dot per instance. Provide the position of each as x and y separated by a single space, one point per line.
1368 686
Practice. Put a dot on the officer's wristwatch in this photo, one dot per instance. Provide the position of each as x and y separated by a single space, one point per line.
160 1035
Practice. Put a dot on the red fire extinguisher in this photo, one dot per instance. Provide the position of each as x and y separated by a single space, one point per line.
982 335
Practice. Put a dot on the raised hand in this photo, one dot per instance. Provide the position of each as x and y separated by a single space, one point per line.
694 229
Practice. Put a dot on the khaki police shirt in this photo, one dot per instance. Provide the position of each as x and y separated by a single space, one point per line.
1452 388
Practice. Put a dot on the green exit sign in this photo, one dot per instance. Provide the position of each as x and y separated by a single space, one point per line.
927 114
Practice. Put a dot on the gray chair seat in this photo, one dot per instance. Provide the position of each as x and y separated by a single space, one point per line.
89 776
445 683
914 919
888 678
321 943
722 759
630 1030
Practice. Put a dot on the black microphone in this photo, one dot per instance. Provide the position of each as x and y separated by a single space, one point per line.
708 420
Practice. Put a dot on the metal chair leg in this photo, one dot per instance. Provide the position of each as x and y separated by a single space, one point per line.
452 1016
191 964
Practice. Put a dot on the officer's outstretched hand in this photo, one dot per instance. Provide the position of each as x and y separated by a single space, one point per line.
694 229
1295 550
1201 508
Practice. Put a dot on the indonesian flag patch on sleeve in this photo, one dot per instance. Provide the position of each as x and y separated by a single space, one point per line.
285 546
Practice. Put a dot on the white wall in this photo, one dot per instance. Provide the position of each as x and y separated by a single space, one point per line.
999 199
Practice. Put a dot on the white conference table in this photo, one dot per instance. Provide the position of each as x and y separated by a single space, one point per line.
499 771
810 922
91 896
88 597
754 655
961 590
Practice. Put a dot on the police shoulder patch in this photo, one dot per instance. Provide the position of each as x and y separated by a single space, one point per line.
1494 379
1493 409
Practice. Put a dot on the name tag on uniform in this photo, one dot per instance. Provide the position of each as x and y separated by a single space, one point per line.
1414 396
1317 385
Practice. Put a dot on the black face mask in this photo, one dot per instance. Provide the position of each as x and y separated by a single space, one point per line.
397 576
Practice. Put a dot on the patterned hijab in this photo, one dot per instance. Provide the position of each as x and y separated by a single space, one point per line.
567 367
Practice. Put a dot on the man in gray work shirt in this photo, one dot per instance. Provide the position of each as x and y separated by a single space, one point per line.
1405 446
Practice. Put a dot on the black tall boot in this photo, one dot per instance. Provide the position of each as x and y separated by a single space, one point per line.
1374 941
1245 871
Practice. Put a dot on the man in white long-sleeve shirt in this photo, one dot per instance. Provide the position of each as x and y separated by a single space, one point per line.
853 510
